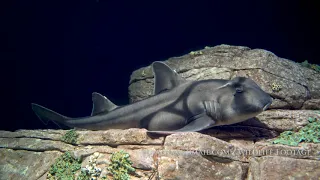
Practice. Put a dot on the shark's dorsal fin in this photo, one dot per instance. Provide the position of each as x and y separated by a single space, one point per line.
101 104
164 77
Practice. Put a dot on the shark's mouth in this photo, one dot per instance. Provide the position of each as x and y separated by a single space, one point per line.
266 106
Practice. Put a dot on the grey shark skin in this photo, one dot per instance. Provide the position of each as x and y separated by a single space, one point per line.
178 105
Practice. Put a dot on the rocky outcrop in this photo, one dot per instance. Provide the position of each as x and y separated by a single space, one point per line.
179 156
299 86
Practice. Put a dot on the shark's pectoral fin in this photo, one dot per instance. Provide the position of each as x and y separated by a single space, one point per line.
201 123
164 77
101 104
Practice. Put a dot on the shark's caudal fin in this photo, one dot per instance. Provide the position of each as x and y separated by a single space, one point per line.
101 104
46 115
164 77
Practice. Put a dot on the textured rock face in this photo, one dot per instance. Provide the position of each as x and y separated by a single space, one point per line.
300 86
283 168
179 156
22 164
282 120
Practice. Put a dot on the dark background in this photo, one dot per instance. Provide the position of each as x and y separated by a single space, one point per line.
64 50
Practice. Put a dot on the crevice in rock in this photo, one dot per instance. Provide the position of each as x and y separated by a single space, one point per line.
298 158
35 137
30 137
39 138
290 80
34 150
139 79
41 175
308 94
120 144
223 160
246 173
257 132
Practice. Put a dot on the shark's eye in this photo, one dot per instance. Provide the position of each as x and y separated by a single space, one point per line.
239 89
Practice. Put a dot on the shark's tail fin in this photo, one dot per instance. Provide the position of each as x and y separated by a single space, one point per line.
101 104
46 115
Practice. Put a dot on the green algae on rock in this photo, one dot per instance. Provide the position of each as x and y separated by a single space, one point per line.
310 133
306 64
70 137
64 167
120 166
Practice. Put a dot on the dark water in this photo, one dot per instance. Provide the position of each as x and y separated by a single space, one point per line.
64 51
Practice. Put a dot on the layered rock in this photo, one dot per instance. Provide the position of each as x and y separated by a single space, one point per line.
179 156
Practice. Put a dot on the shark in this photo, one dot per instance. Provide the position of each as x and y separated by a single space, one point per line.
177 105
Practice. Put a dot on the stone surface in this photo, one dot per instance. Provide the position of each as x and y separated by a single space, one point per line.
282 120
283 168
207 145
181 156
117 137
39 134
33 144
311 104
298 83
268 124
21 164
303 151
181 165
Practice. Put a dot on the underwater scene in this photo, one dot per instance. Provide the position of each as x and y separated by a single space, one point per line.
157 91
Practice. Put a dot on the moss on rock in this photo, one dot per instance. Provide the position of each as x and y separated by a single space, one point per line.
64 168
306 64
70 137
310 133
120 166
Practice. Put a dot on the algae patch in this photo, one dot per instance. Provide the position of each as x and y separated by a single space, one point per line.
64 168
70 137
310 133
120 166
310 66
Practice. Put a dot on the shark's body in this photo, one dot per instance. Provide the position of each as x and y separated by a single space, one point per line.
177 106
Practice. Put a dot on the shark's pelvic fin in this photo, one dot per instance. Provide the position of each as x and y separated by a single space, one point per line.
165 78
201 123
45 114
101 104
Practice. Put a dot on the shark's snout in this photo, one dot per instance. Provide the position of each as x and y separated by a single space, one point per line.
267 103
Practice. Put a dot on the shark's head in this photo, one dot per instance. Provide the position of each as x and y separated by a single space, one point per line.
241 99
